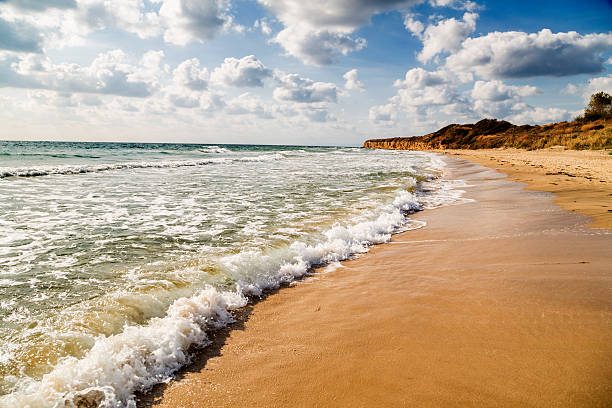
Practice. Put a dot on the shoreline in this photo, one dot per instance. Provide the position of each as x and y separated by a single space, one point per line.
581 180
399 349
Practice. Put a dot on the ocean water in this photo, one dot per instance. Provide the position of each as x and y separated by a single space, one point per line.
116 260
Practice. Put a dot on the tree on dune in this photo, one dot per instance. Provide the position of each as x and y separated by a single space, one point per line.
599 107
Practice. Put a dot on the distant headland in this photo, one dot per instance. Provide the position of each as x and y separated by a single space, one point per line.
593 130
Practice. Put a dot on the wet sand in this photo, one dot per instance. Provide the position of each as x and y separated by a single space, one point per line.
580 179
504 301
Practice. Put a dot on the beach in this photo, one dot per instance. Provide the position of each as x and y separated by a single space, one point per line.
505 300
581 180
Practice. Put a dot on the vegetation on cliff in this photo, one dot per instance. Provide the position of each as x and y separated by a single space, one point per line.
593 130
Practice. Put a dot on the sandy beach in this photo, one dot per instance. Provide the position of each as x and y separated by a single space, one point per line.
581 180
502 301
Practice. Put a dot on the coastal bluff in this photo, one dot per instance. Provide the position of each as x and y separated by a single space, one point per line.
492 134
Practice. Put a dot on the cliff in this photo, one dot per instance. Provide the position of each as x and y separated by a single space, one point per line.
491 133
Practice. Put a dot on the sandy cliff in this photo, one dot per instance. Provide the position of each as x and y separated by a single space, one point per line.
491 134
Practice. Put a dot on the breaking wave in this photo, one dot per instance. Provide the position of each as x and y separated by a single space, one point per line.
118 366
57 170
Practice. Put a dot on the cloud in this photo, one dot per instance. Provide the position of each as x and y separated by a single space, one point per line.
515 54
352 83
318 114
179 21
187 100
61 26
39 5
599 84
530 115
193 20
446 35
332 14
495 91
317 47
423 90
318 31
19 36
127 15
428 98
263 25
498 100
294 88
383 114
456 4
188 87
418 78
413 25
246 71
188 74
570 89
109 73
422 96
246 104
205 101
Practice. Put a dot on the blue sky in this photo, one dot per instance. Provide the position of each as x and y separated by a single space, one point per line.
325 72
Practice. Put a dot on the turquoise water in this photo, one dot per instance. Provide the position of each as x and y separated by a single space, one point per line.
105 246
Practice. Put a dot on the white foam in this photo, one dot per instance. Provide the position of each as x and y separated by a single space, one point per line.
142 355
52 170
134 360
215 149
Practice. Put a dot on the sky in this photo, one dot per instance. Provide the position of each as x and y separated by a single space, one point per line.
296 72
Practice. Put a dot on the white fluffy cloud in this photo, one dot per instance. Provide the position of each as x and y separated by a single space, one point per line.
316 46
127 15
433 98
188 74
383 114
247 104
109 73
498 100
346 15
66 22
319 31
517 54
246 71
193 20
419 78
495 91
413 25
422 89
59 26
528 115
295 88
446 35
317 114
599 84
352 83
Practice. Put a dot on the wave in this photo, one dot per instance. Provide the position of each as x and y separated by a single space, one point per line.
66 170
215 149
118 366
54 155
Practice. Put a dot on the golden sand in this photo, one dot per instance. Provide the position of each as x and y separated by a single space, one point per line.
505 301
580 179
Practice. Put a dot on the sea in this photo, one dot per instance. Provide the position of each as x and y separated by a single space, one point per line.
117 260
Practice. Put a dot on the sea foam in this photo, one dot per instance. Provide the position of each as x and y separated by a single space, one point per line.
120 365
53 170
